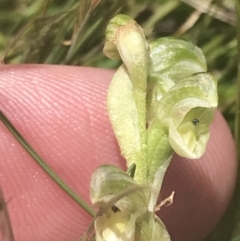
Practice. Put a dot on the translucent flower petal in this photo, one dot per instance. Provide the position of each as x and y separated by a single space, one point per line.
171 61
196 90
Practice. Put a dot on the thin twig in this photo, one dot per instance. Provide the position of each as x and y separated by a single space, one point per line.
44 165
192 19
220 13
85 9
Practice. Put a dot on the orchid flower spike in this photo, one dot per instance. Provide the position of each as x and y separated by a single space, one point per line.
161 100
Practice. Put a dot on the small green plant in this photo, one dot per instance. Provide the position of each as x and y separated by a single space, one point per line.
160 101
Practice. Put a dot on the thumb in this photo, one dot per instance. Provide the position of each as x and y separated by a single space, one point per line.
61 111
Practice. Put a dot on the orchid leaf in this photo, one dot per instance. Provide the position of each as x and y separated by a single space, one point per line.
123 114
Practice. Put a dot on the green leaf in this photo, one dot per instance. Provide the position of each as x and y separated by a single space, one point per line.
124 117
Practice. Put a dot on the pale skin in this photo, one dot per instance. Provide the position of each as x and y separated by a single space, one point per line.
61 111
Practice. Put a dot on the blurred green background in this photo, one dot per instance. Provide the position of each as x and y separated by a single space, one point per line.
72 32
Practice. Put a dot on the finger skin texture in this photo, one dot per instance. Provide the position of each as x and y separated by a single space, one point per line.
61 111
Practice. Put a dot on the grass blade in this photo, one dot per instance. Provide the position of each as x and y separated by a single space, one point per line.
44 165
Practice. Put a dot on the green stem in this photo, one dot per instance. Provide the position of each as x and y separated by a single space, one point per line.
44 165
141 163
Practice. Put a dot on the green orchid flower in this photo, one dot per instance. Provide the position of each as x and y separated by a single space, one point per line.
108 181
109 187
126 216
187 111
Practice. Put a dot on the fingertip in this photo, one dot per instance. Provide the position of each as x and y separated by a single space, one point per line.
61 112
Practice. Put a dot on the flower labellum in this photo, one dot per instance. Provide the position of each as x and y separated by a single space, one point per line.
115 226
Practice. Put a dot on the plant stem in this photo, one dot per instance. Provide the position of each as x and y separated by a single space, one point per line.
44 165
